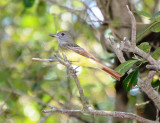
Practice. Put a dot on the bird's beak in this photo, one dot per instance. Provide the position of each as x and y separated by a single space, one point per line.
54 35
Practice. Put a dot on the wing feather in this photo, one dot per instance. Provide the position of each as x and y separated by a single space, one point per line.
79 50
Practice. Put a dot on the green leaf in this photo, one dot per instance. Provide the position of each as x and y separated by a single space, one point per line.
144 30
131 79
155 19
122 68
145 47
144 14
156 53
155 83
157 14
156 28
28 3
41 8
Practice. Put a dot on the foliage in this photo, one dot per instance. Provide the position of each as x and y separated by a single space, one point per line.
145 47
131 79
125 66
154 26
156 53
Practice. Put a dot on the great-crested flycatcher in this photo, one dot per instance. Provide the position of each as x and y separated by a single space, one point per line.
78 56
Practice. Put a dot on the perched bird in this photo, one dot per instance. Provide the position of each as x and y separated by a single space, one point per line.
78 56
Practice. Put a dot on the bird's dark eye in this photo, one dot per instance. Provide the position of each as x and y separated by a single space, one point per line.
62 34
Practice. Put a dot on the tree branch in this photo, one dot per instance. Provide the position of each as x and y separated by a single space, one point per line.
85 107
145 86
101 113
117 51
73 74
133 20
153 67
44 60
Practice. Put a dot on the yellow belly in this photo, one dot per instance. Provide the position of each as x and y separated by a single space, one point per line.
79 60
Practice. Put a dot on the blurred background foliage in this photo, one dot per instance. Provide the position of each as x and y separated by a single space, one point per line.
26 87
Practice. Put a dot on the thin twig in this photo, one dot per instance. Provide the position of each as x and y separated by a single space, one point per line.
44 60
142 104
101 113
133 20
117 51
73 74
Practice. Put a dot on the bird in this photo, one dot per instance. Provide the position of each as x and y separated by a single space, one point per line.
79 56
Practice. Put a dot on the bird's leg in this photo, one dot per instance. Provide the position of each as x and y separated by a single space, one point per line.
76 68
73 71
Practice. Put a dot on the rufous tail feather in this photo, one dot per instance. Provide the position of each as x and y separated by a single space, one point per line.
110 71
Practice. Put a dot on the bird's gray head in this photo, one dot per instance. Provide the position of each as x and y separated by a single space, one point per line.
63 37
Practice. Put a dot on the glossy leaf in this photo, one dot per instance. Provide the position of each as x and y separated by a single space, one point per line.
156 28
145 47
142 32
143 13
131 79
122 68
156 53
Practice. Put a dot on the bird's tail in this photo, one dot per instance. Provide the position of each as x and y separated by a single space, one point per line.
110 71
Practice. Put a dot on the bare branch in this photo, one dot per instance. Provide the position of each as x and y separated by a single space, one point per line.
44 60
133 20
91 111
127 47
153 67
101 113
73 74
145 86
117 51
142 104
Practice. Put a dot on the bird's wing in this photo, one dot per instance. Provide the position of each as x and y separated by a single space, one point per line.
79 50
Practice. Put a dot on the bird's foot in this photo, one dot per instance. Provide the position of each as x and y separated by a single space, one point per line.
73 71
